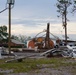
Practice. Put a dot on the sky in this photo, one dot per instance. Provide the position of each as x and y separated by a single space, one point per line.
30 17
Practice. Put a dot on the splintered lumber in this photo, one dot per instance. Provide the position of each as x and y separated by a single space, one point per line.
19 59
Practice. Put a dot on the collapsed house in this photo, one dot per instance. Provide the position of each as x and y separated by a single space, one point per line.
43 42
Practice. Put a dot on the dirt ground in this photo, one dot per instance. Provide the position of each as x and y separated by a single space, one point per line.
49 71
46 70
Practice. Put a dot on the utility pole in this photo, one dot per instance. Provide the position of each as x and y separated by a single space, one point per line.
9 42
10 3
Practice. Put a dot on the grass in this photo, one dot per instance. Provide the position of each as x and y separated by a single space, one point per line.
1 73
33 64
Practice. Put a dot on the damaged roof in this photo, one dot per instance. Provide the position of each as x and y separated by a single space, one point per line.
16 41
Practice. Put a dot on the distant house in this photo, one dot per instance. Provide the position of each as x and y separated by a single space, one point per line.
17 43
14 43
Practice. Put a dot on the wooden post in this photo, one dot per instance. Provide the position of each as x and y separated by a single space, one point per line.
47 46
9 40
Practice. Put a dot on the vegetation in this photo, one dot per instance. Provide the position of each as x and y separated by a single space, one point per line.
4 37
74 6
63 9
3 34
33 64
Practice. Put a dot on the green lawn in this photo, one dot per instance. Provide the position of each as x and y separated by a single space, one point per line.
32 64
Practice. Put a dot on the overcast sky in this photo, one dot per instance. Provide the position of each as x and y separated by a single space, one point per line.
30 17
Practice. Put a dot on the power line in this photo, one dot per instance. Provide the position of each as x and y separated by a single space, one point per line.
3 10
7 7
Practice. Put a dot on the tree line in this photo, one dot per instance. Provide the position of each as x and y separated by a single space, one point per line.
62 9
4 36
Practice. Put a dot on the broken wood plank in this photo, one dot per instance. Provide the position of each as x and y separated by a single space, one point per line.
19 59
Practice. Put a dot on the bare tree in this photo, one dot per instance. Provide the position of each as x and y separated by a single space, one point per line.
62 6
74 6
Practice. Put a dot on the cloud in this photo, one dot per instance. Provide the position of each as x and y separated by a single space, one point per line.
24 30
30 17
33 21
35 26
